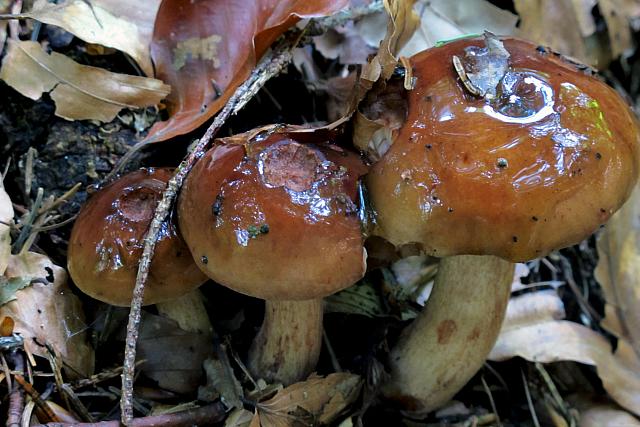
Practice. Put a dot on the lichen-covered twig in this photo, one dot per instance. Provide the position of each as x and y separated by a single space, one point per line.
271 65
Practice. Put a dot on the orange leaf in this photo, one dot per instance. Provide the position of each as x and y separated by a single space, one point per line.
206 49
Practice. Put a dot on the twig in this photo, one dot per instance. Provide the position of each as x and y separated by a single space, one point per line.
532 409
206 415
37 399
491 401
16 397
271 65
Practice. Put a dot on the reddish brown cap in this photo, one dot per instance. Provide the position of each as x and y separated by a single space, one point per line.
107 240
537 168
274 217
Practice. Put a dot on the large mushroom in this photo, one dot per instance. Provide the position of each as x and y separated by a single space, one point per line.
272 214
106 245
504 152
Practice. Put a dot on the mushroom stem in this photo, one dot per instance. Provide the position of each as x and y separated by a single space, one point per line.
450 340
287 348
188 312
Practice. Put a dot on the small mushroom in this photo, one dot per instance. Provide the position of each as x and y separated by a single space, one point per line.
272 216
490 176
106 245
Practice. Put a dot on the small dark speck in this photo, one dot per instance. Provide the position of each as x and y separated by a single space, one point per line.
534 218
216 207
178 253
427 98
435 198
603 210
264 228
204 259
598 156
502 163
50 278
541 49
450 209
515 239
428 146
40 311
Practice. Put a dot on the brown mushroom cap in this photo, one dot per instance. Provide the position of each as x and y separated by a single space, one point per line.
538 168
107 241
275 218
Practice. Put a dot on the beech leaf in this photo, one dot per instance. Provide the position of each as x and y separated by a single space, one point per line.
318 400
119 24
47 313
532 331
206 49
79 91
6 216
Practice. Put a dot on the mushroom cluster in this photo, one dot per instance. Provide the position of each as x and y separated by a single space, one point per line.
502 152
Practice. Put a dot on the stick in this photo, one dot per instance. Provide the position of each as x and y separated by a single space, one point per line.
206 415
271 65
16 397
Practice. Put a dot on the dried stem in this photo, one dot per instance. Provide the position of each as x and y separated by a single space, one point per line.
16 397
271 65
206 415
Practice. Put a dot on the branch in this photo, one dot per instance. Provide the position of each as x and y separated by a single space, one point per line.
206 415
271 65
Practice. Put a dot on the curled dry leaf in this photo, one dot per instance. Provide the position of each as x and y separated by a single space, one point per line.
317 401
444 19
618 272
47 313
119 24
532 331
6 216
79 91
206 49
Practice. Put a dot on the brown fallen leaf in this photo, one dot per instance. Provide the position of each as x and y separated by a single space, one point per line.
618 26
47 313
618 272
6 216
79 91
173 356
120 24
532 331
206 49
316 401
554 23
443 19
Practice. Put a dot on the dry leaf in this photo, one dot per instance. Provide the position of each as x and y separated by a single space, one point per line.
79 91
553 23
206 49
239 417
618 26
173 356
318 400
6 216
607 416
532 331
47 313
120 24
444 19
221 381
618 271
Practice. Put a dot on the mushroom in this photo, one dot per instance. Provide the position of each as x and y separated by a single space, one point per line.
271 214
506 151
106 245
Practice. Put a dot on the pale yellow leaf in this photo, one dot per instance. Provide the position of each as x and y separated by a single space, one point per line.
532 332
79 91
239 417
618 25
618 271
6 216
445 19
120 24
318 400
47 313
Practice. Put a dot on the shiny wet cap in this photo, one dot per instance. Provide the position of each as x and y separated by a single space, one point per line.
107 240
536 165
274 217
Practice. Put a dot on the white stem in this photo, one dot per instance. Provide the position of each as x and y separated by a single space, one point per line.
189 312
450 340
287 348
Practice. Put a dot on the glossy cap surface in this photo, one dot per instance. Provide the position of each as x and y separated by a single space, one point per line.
107 241
538 168
275 218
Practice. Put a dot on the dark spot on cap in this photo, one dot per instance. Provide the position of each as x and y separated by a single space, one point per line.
428 146
534 218
598 156
216 207
446 329
204 259
450 209
515 239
